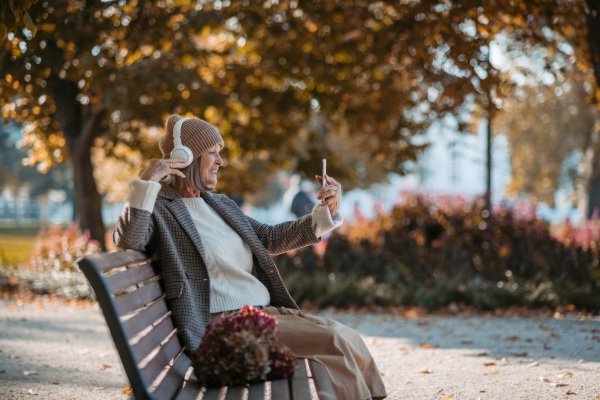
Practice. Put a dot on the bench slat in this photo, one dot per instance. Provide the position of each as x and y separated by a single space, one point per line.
173 381
107 261
153 339
322 382
190 391
166 353
256 391
280 389
300 388
133 300
130 277
235 393
145 318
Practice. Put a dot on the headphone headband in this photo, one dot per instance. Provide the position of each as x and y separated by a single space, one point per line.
177 132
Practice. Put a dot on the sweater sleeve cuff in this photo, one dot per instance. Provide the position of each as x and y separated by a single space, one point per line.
322 221
142 194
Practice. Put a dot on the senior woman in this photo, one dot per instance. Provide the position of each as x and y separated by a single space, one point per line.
215 260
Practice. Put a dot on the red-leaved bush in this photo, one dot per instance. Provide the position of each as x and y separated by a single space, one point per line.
242 349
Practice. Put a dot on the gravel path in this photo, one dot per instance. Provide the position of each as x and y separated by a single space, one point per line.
50 349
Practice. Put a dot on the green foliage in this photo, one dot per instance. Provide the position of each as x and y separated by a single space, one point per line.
436 251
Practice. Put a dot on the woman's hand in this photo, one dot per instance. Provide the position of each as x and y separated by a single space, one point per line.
330 194
158 169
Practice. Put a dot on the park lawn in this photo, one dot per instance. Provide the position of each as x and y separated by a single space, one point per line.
15 249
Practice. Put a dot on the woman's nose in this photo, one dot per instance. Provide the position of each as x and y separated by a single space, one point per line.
219 160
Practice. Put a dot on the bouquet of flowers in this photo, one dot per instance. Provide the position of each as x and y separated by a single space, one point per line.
242 349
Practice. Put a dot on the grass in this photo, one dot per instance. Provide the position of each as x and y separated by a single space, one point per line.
15 249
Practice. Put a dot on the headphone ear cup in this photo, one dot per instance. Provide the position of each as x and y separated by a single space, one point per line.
183 153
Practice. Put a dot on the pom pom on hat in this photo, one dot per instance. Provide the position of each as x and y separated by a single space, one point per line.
198 135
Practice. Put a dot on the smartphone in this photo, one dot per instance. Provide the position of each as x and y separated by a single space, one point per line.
324 171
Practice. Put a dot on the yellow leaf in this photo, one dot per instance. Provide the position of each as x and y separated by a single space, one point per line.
488 364
127 390
556 384
428 346
491 373
565 374
426 371
29 24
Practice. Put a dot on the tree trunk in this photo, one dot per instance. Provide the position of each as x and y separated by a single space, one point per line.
593 24
488 155
80 131
588 183
589 164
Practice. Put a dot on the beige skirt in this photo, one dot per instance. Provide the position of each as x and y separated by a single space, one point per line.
339 348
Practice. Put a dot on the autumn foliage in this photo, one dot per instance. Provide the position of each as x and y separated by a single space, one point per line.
434 251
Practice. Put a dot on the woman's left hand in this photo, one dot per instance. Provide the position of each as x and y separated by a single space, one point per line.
330 194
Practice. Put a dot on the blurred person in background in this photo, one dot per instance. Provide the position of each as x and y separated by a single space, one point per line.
215 260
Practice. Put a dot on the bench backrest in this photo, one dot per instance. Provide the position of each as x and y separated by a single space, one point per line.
131 298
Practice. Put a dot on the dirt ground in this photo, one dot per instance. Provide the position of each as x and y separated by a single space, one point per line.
50 349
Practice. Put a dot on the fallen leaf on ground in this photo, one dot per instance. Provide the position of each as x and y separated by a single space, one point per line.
521 354
543 379
565 374
428 346
491 373
403 349
448 398
481 354
381 373
580 361
32 392
534 364
27 373
103 366
512 338
466 342
488 364
556 384
545 328
54 383
568 392
426 371
555 335
102 388
126 390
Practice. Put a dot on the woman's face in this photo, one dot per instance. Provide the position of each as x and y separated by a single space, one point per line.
210 164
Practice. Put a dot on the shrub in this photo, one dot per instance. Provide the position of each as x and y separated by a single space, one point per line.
433 251
51 268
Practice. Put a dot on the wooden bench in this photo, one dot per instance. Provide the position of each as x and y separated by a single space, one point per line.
132 300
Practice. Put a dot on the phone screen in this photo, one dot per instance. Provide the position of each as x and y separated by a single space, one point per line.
324 171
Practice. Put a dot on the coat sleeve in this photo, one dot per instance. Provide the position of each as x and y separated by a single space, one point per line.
286 236
135 226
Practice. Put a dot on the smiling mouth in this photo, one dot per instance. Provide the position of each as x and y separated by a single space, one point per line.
214 171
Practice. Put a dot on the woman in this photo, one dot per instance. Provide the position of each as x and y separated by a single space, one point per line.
214 260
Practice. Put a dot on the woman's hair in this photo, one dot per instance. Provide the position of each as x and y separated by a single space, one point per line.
193 178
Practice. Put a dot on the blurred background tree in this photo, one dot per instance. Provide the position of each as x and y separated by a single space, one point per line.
285 82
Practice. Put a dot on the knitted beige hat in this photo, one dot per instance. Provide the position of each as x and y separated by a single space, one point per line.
198 135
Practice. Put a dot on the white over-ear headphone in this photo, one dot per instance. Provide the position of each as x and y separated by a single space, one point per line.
179 150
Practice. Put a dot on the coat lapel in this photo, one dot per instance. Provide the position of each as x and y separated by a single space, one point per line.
182 215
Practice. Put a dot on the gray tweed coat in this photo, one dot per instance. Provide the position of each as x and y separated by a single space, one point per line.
170 237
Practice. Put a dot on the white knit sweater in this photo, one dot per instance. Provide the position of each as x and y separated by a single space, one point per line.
228 258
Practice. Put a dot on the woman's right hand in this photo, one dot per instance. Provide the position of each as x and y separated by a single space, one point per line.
158 169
